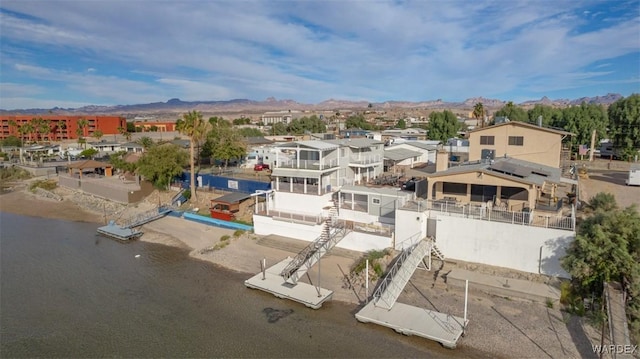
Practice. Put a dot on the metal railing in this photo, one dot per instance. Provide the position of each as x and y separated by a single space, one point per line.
492 214
308 164
365 160
310 218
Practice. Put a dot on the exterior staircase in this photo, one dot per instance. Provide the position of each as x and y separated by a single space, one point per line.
332 232
148 216
402 270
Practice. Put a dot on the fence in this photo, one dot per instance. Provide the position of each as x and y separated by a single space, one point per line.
309 164
312 218
494 214
227 183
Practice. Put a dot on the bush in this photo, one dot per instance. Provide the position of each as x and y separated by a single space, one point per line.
238 233
187 194
48 185
13 174
225 238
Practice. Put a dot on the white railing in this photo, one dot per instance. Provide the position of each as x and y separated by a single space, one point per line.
485 213
312 218
365 160
309 164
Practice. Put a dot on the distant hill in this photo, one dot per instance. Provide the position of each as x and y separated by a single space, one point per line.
176 105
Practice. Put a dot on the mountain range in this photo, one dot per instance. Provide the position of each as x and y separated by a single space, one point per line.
272 104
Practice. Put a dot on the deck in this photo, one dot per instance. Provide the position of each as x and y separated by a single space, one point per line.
307 294
409 320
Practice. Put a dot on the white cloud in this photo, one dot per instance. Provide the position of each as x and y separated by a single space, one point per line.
309 50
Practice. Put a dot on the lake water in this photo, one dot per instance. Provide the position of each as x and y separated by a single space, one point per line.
66 292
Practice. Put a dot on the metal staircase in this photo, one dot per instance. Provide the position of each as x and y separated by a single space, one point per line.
148 216
332 232
398 276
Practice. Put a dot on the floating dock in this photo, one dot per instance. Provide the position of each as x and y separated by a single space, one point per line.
273 282
113 230
409 320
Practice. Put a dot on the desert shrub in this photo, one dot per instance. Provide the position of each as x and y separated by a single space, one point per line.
238 233
13 174
225 238
48 185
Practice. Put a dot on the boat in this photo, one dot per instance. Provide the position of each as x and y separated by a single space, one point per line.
115 231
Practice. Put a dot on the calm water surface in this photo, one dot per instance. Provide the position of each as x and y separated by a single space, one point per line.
66 292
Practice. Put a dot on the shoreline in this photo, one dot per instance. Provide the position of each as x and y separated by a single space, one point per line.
499 327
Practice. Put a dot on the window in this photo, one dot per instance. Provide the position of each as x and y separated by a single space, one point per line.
516 140
487 140
488 154
416 158
454 188
375 200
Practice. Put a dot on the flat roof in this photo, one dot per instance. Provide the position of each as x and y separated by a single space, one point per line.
400 154
233 197
356 142
315 144
524 124
383 191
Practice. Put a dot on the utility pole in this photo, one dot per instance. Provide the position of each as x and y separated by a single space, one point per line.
593 143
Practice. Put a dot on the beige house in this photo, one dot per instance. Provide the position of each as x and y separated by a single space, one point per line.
518 140
508 183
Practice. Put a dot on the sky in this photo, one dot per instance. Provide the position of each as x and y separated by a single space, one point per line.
115 52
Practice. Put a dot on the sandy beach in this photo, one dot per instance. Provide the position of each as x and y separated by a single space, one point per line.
499 327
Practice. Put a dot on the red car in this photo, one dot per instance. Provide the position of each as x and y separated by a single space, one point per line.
261 167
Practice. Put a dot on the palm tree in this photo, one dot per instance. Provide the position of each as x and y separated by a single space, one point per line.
98 134
13 125
82 124
43 127
62 126
23 130
193 126
478 113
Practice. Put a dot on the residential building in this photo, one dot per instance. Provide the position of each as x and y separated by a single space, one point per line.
273 117
519 140
318 166
155 126
407 134
61 127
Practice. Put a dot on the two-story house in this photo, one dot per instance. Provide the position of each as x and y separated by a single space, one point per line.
317 167
519 140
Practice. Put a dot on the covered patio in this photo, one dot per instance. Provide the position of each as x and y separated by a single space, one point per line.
90 168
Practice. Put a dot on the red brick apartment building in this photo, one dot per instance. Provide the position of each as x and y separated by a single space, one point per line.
60 127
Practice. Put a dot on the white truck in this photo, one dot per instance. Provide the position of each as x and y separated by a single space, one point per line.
634 175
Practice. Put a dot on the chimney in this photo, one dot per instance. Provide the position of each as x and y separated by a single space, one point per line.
442 160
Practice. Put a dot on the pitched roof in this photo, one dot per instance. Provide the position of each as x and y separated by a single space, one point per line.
523 124
89 164
420 144
258 140
400 154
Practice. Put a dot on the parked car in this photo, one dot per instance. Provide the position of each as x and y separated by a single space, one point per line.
261 167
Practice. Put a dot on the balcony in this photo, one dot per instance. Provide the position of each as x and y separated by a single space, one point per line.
314 165
365 160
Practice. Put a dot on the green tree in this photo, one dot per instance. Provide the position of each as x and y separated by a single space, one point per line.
225 143
13 127
279 129
442 126
550 116
193 126
512 112
250 132
12 141
145 142
131 127
401 123
478 114
44 128
62 127
89 153
82 125
125 133
97 134
624 116
23 130
160 164
607 248
118 162
582 120
358 121
241 121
